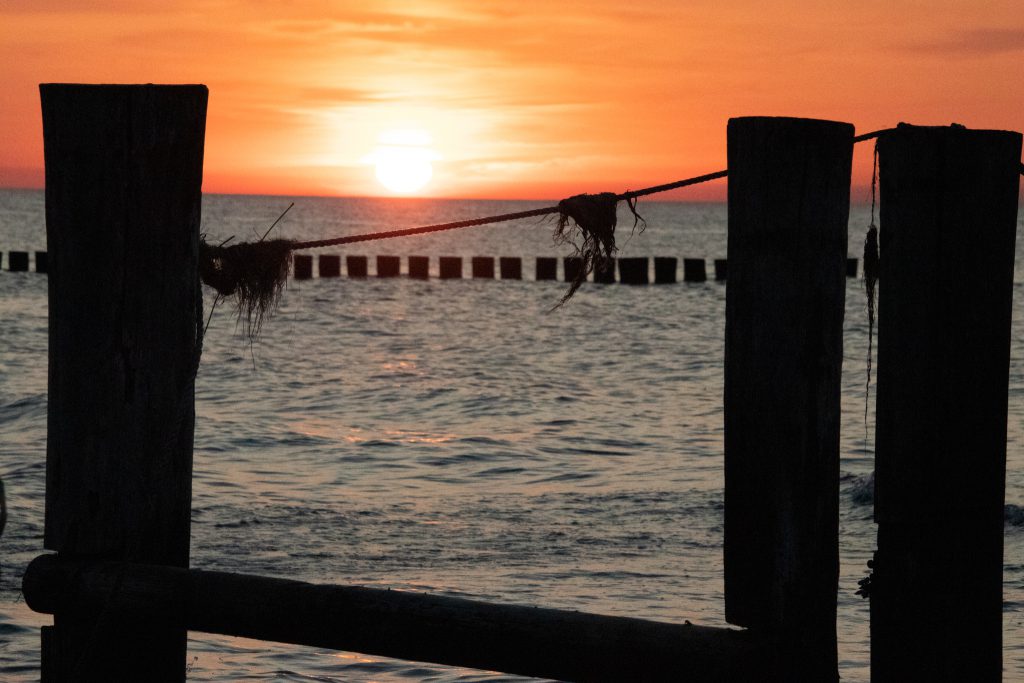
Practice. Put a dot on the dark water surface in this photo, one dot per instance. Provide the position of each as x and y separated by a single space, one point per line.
455 437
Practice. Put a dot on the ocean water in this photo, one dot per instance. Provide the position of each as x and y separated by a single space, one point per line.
460 438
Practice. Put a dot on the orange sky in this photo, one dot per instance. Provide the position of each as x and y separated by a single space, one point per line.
521 99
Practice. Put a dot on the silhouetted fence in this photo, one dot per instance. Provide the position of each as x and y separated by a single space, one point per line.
125 345
510 267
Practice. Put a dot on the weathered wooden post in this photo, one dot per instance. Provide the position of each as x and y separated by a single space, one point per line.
604 271
546 268
450 267
482 267
330 265
694 270
789 196
302 265
419 267
572 266
388 266
356 266
123 178
665 268
17 261
948 221
633 270
721 269
510 267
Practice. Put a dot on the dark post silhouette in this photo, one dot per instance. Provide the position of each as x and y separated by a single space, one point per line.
665 269
547 268
851 267
123 178
419 267
483 267
721 269
789 195
571 267
303 266
511 267
17 261
451 267
633 270
949 200
330 265
694 270
356 266
42 262
388 266
604 271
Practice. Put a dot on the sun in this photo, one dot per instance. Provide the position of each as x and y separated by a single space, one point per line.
403 160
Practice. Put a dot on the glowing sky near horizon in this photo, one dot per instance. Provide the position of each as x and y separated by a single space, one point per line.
527 99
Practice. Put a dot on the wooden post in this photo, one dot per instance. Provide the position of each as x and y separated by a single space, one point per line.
789 196
450 267
851 267
665 268
721 269
633 271
948 221
510 267
604 271
42 262
482 267
356 266
388 266
419 267
694 270
17 261
547 268
571 267
123 177
303 266
330 265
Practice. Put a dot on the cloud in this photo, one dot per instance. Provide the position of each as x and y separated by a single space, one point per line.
976 42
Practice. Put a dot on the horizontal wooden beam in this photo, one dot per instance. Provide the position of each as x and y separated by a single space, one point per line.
530 641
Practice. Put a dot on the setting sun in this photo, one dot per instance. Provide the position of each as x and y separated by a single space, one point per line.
403 160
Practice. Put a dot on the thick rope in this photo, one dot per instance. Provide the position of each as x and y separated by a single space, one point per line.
255 273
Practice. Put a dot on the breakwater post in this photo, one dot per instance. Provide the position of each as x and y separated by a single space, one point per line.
17 261
330 265
511 267
546 268
948 220
356 266
123 198
482 267
789 197
302 265
388 266
419 267
450 267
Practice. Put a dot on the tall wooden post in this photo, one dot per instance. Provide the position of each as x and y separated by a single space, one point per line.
123 189
789 197
948 221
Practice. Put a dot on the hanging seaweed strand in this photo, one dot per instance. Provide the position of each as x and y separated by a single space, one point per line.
871 262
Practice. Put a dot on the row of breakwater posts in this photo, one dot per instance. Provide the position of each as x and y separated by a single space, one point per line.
631 270
123 178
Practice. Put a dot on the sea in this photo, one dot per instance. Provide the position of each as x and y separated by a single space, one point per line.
460 437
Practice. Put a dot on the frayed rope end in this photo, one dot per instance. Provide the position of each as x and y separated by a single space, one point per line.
254 273
587 221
